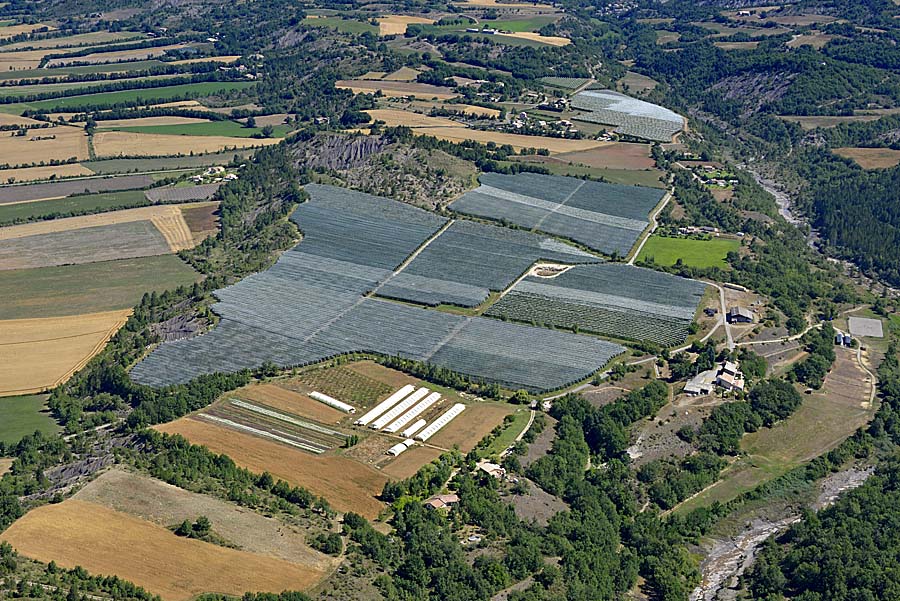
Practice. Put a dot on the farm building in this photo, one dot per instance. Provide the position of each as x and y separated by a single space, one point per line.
492 469
441 501
740 315
702 384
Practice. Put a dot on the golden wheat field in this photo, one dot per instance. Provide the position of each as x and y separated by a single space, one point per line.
43 145
24 59
395 117
175 568
402 74
396 24
168 219
120 143
9 119
14 30
30 174
37 354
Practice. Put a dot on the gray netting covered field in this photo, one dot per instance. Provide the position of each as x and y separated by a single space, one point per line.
611 299
312 305
468 260
605 217
84 245
629 115
201 192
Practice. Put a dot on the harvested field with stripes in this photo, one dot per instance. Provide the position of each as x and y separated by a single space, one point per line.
395 117
29 174
148 554
31 192
140 232
471 425
38 354
315 303
120 143
83 245
117 56
347 484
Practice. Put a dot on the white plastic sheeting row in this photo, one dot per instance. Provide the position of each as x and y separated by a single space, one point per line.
332 402
400 408
413 413
440 422
401 447
384 405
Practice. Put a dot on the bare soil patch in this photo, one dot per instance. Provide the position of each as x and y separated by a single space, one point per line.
409 462
203 220
5 464
621 155
347 484
470 426
147 554
536 504
542 444
816 40
293 402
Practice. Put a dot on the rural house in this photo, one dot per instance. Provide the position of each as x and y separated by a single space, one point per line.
739 315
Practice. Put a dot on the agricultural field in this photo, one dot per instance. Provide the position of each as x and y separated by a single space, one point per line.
393 89
630 117
606 217
822 422
117 144
694 253
817 40
446 129
566 83
57 190
161 94
347 484
115 56
138 232
636 83
30 174
648 178
312 305
83 245
82 39
469 260
110 166
871 158
21 416
276 426
814 121
623 155
397 24
38 354
85 203
166 505
89 288
736 45
343 25
614 300
182 126
60 143
148 554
